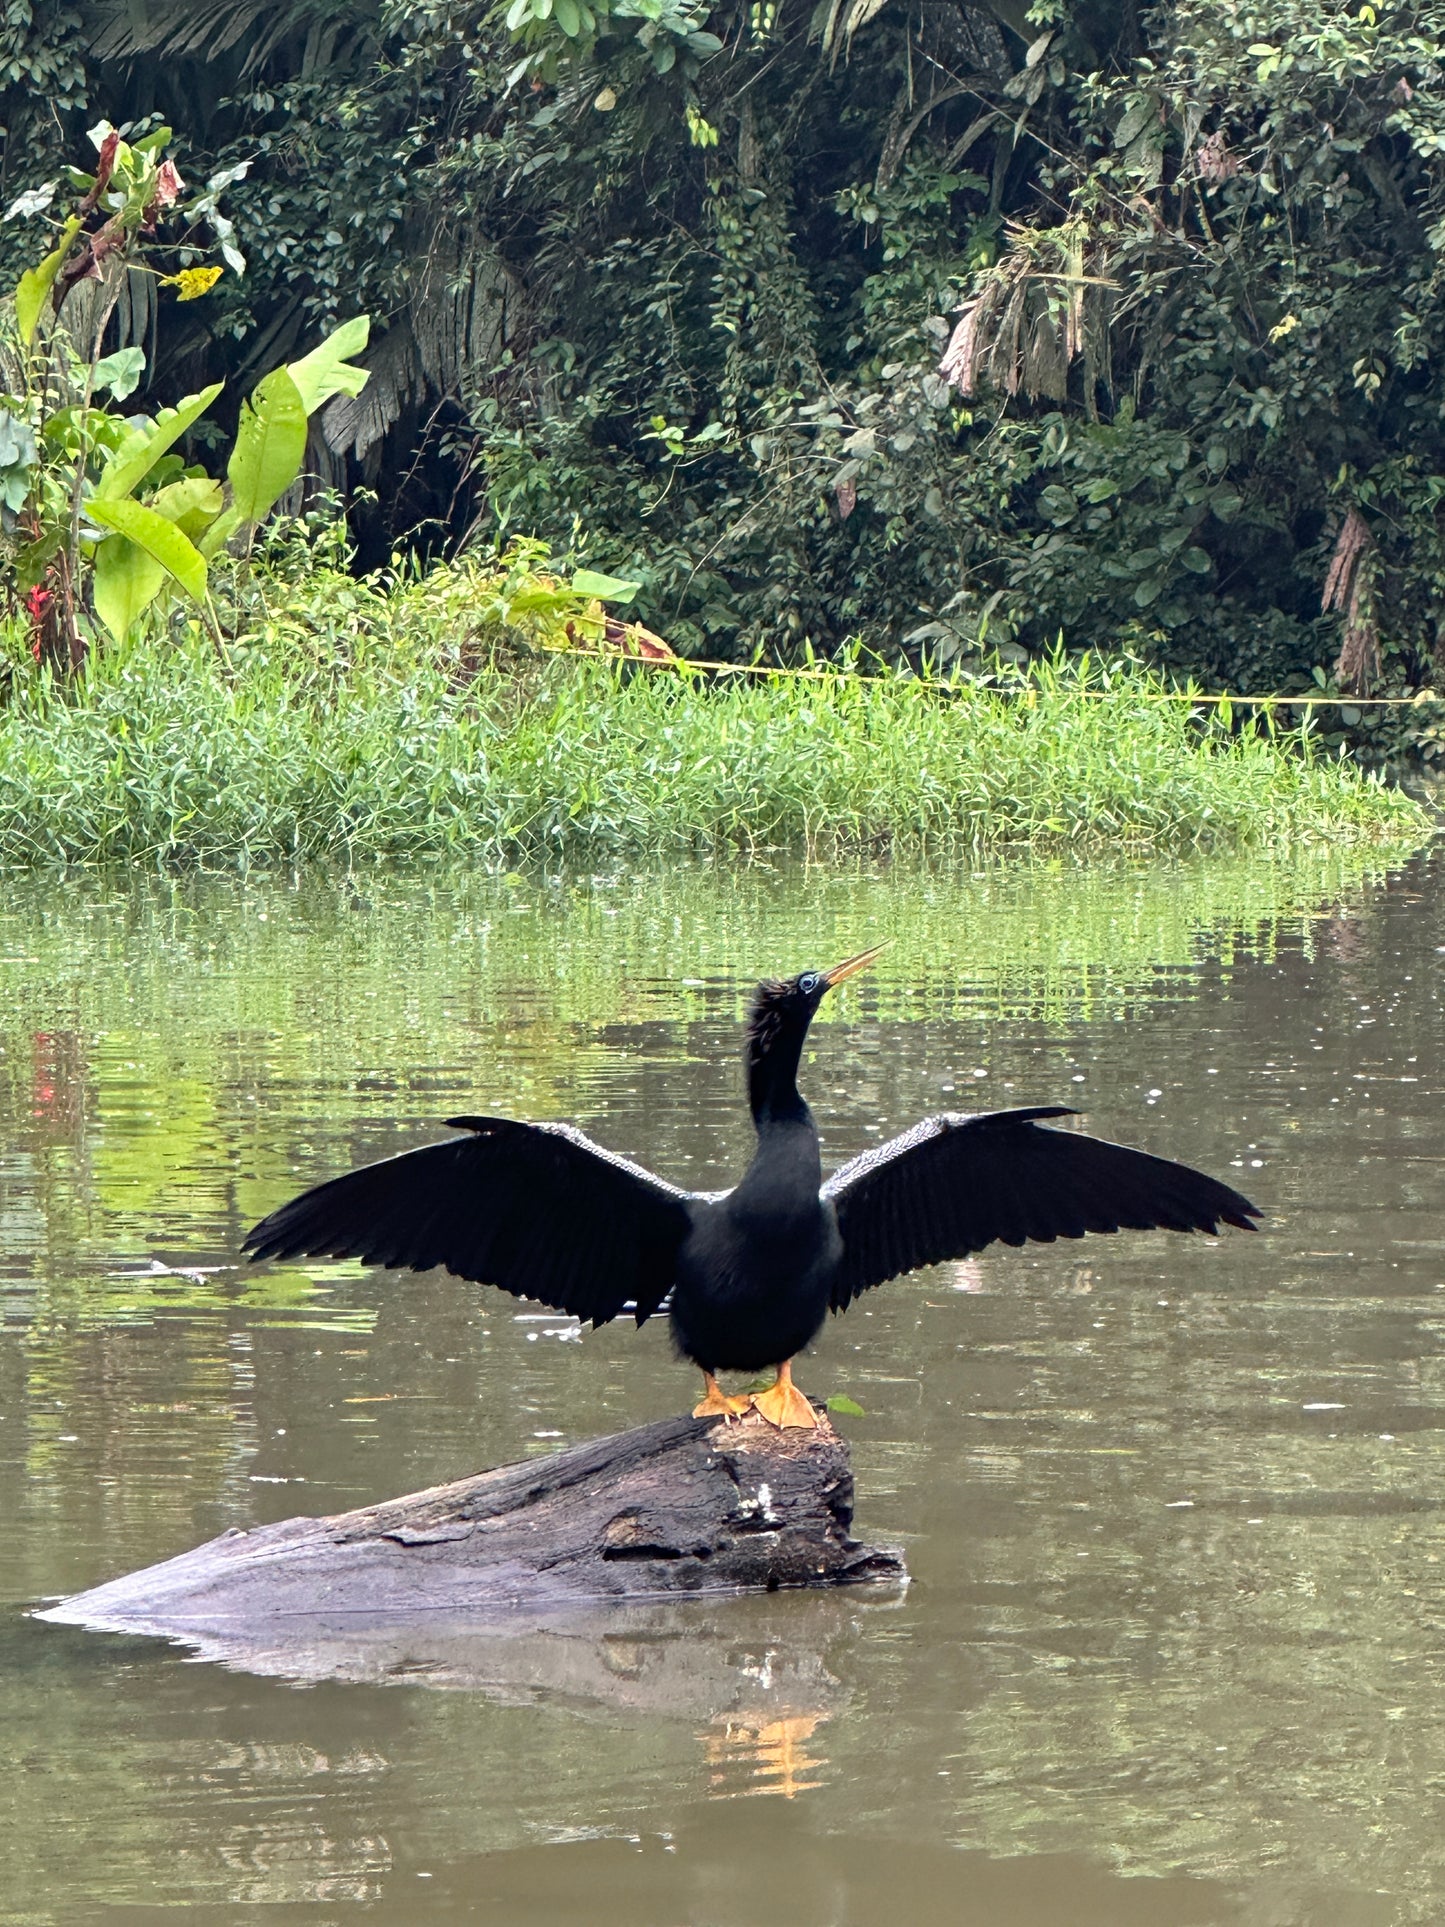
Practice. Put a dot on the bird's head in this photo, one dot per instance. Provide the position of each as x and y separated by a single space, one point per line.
778 1021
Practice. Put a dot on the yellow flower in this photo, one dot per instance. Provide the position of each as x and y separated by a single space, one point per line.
193 282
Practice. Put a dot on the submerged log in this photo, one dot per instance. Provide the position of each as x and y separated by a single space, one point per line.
682 1506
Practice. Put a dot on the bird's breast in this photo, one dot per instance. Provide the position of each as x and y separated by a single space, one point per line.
749 1244
754 1286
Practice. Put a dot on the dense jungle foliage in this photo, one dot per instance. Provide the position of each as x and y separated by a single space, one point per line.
669 286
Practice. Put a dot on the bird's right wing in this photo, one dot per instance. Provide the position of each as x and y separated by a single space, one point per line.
958 1182
538 1209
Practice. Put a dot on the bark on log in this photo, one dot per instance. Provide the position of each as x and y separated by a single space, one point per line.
682 1506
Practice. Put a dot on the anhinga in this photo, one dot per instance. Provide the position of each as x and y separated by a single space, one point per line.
748 1275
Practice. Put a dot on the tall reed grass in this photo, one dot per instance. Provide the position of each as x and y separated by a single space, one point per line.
351 720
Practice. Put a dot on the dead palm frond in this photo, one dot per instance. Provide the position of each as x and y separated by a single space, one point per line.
1045 304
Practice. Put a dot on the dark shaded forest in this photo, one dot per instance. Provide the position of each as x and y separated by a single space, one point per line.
957 327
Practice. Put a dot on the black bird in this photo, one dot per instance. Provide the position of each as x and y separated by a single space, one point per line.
748 1275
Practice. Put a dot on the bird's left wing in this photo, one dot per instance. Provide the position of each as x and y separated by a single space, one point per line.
538 1209
958 1182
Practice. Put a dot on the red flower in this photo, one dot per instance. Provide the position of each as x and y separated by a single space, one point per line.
37 602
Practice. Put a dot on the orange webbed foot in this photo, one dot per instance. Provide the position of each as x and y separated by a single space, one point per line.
784 1405
715 1402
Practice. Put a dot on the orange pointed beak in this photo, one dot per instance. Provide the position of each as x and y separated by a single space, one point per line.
852 965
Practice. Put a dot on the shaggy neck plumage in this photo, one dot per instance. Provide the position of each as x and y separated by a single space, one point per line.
772 1051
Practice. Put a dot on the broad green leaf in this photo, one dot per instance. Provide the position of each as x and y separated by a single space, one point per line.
1145 155
325 371
569 17
31 562
219 533
37 282
1136 118
34 201
192 504
124 583
270 446
17 442
120 372
608 588
143 447
849 1407
160 539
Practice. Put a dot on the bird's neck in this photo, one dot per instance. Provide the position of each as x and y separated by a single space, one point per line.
783 1179
773 1094
787 1167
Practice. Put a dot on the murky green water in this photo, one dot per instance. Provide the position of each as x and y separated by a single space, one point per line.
1174 1649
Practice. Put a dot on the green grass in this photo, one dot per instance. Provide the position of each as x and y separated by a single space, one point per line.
350 720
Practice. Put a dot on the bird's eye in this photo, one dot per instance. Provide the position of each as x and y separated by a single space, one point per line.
809 983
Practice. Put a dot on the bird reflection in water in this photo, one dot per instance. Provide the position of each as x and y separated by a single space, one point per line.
750 1753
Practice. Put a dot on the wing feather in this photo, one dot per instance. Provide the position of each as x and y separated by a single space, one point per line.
958 1182
536 1209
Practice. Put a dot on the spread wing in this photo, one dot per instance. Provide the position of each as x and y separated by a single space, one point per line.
538 1209
956 1183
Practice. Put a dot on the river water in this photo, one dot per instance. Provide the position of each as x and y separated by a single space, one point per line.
1173 1651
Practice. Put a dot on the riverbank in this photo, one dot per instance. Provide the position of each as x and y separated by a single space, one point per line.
357 720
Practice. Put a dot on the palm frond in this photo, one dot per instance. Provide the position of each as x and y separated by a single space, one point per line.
205 29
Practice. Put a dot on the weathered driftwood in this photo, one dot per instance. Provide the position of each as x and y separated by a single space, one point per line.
682 1506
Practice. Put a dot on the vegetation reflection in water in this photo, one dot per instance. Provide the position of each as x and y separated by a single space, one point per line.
1177 1598
146 1030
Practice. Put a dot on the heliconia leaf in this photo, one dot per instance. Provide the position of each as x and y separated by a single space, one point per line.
124 583
219 533
326 371
270 446
143 447
607 588
37 282
192 504
160 539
